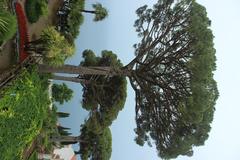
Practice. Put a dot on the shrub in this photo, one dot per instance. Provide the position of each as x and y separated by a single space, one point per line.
35 9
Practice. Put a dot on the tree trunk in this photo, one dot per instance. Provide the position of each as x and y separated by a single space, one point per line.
77 152
71 69
70 79
70 139
35 42
87 11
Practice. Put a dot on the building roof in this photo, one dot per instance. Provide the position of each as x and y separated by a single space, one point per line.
66 153
74 157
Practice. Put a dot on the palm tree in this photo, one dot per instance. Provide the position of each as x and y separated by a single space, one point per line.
8 26
99 11
53 46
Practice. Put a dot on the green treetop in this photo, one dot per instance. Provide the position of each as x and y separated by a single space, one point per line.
104 94
61 93
96 146
99 11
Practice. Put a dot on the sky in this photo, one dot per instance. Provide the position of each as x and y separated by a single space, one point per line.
116 33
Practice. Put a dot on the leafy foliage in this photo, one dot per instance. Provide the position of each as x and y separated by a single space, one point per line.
35 8
75 18
100 12
53 46
175 61
97 146
8 25
104 94
49 128
4 5
23 107
61 93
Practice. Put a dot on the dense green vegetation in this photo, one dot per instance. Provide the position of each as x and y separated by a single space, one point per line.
54 48
107 95
61 93
35 8
74 19
104 97
184 120
97 146
71 18
8 24
49 128
23 107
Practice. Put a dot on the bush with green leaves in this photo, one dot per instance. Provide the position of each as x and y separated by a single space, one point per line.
23 107
35 9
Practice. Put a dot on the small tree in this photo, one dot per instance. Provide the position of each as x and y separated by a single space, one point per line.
61 93
99 11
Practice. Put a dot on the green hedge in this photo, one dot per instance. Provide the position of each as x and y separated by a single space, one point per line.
35 9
